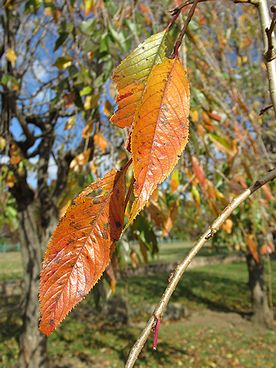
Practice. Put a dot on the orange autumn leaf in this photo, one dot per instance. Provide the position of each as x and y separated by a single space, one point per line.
267 192
215 116
131 78
161 131
108 107
200 175
15 154
100 141
207 122
267 248
145 10
171 219
80 248
88 129
10 180
111 277
227 226
252 246
80 160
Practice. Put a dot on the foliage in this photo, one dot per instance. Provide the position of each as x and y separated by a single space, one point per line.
57 98
162 98
80 248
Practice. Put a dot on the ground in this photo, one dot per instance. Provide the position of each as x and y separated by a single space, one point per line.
215 332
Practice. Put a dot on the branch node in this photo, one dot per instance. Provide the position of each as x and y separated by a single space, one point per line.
270 54
256 185
210 234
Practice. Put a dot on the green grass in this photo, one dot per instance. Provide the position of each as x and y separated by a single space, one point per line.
90 339
10 266
176 250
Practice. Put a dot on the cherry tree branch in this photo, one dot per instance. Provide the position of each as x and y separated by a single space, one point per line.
182 267
267 27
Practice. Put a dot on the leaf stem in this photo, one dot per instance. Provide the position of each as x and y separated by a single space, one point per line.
182 267
156 331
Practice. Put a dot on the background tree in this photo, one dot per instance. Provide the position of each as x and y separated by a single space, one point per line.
53 76
55 61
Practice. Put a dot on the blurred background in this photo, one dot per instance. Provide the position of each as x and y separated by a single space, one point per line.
56 63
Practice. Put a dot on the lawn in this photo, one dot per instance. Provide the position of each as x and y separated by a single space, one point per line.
215 334
11 265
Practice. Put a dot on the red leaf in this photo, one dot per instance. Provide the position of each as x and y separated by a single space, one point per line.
80 248
199 173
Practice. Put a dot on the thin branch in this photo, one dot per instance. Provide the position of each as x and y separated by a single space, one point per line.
182 267
270 64
175 13
182 6
271 52
263 110
184 29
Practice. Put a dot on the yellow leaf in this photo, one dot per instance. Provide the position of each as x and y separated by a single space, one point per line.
70 123
2 143
48 11
195 195
93 168
174 183
11 55
64 208
194 116
10 180
88 7
63 62
88 104
107 108
15 154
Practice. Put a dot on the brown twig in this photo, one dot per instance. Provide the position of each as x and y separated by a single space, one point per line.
175 13
270 54
186 3
265 109
182 267
185 27
266 23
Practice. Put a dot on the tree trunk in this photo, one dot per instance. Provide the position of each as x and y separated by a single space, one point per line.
33 345
262 314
